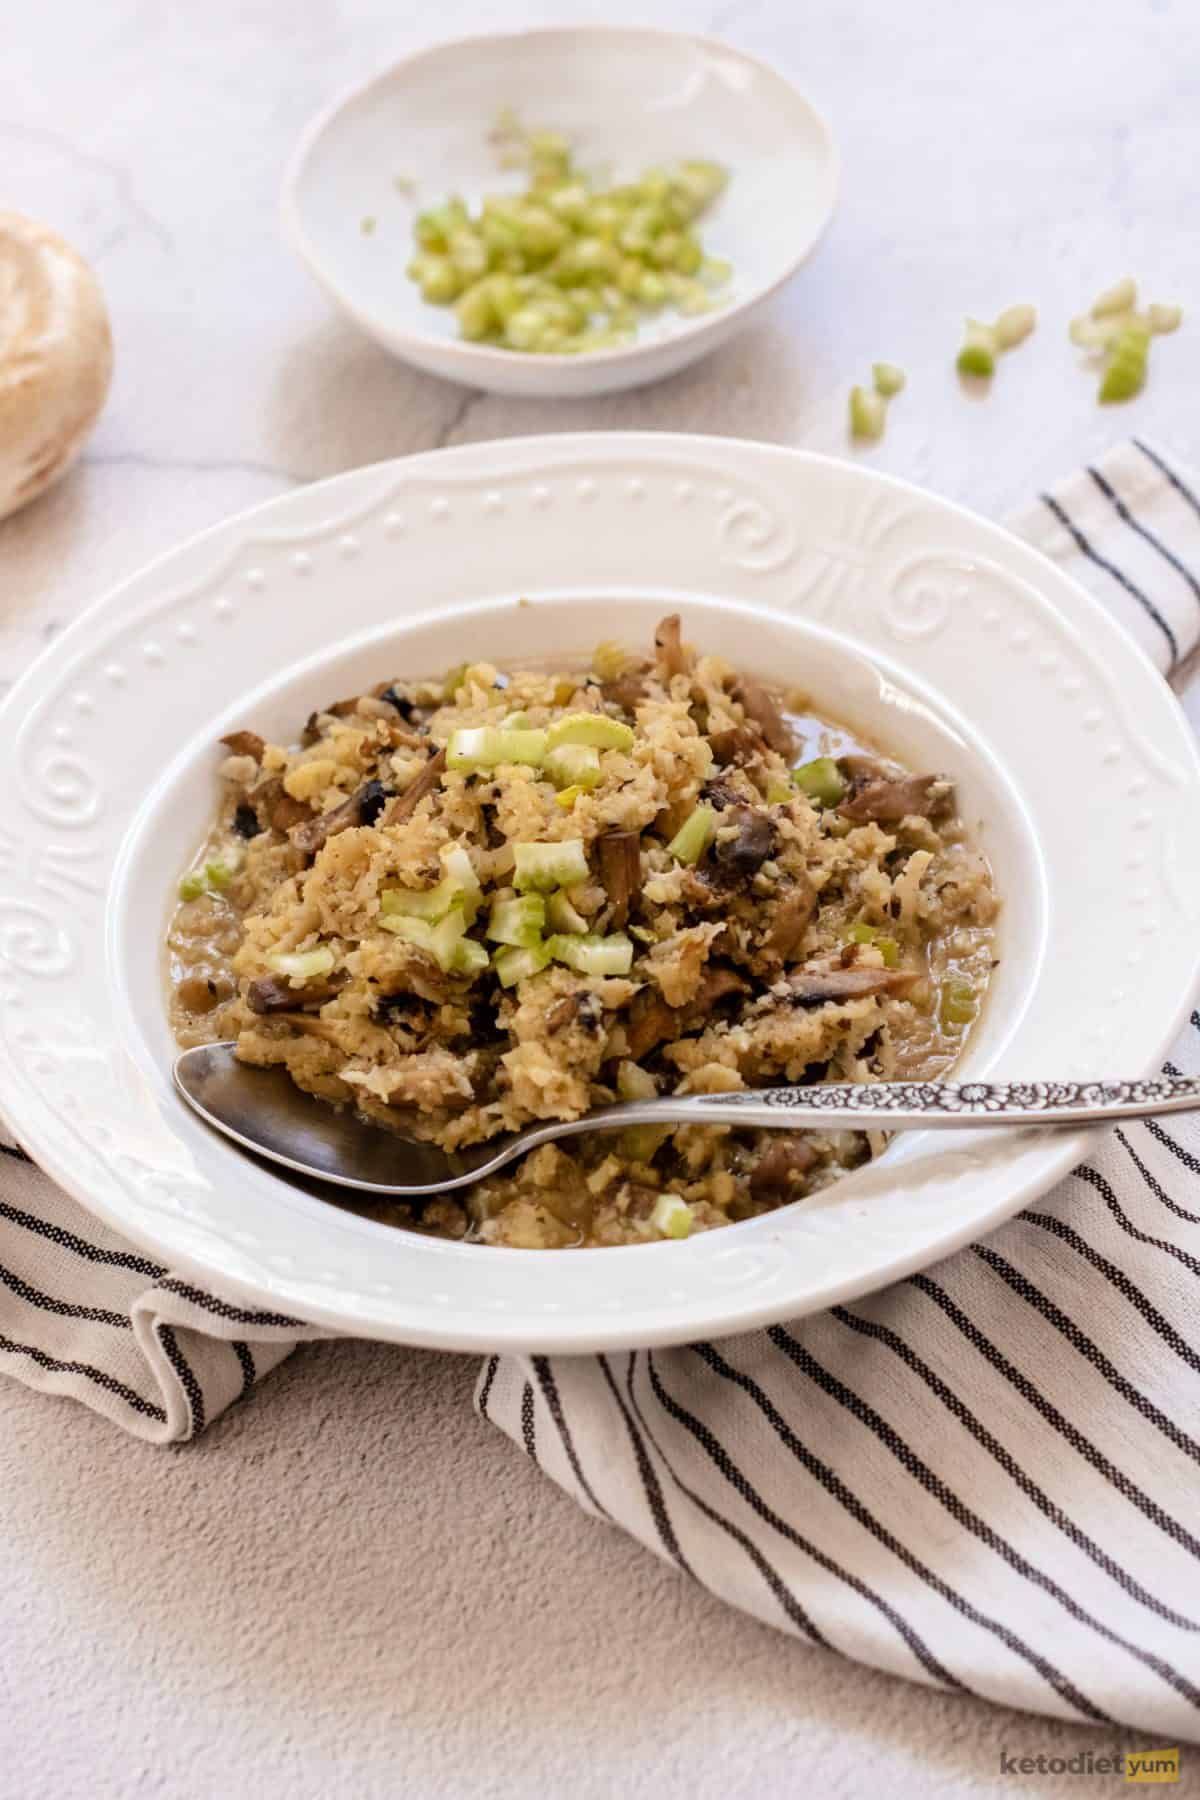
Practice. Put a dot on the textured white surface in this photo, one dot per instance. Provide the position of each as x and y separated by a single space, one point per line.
351 1586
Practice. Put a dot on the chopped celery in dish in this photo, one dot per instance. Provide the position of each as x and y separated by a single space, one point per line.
548 866
569 265
694 835
821 780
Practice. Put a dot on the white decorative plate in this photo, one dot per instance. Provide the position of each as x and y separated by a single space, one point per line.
926 627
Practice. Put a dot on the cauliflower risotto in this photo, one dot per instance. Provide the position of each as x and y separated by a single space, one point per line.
466 905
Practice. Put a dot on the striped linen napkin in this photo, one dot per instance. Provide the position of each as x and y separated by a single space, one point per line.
986 1478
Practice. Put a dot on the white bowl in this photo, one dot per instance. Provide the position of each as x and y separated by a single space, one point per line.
940 634
627 98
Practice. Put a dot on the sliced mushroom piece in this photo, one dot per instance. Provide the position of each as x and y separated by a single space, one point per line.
736 744
743 854
621 873
886 800
278 808
815 987
783 1167
628 689
245 743
668 646
406 804
653 1021
274 994
766 715
791 919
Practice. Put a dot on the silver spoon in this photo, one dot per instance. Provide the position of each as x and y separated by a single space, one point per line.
264 1111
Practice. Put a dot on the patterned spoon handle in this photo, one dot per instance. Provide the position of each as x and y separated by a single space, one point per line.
890 1105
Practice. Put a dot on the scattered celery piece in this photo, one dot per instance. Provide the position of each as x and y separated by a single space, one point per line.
635 1083
301 965
672 1216
547 866
957 1003
193 884
1120 298
562 916
1125 375
777 793
978 354
888 378
488 746
868 413
1014 326
693 837
520 921
513 964
592 955
595 730
821 780
573 765
1162 318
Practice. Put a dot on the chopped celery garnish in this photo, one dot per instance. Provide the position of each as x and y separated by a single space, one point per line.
193 884
446 941
978 354
1121 297
562 916
458 866
488 746
520 921
868 413
821 780
592 955
433 903
1162 318
513 965
778 792
957 1005
1125 375
887 947
672 1216
469 958
1014 326
573 765
301 965
888 378
566 797
219 874
608 660
548 866
635 1083
593 729
692 839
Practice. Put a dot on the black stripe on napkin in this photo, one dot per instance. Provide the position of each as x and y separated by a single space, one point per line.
1181 488
1151 1180
528 1423
187 1378
1144 531
721 1459
67 1240
1049 1509
1101 562
782 1593
63 1309
236 1314
1090 1452
651 1487
549 1387
109 1383
862 1514
963 1515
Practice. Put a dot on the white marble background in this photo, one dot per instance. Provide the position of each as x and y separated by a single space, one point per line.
351 1586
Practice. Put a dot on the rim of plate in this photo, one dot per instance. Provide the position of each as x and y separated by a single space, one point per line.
693 330
54 902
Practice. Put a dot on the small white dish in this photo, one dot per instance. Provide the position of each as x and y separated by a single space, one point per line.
938 634
627 98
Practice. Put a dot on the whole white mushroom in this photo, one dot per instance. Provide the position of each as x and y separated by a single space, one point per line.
55 357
